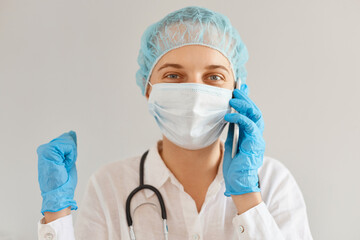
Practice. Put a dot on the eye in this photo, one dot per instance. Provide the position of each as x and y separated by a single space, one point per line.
172 76
215 77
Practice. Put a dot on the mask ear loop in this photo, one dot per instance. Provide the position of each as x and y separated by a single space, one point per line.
148 83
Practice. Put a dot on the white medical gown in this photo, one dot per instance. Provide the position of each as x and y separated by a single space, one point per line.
101 214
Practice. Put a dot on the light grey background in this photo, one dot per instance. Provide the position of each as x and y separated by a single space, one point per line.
71 65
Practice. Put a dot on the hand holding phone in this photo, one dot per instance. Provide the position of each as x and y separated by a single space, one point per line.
244 146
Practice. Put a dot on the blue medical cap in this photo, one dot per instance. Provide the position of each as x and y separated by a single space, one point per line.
190 26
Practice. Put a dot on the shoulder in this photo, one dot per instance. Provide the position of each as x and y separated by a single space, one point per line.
123 166
108 187
274 172
273 168
277 182
119 174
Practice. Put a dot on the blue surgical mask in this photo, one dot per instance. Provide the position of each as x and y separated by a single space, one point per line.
191 115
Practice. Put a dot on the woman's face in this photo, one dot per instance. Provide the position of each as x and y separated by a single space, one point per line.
193 64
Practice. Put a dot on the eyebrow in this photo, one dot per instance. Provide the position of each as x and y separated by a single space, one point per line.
170 65
217 66
180 67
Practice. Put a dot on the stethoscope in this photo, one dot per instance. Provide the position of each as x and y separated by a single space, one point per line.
136 190
158 194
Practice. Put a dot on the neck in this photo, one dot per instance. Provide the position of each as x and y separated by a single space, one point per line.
191 166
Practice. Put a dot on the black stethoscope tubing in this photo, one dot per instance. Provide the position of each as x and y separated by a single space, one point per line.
139 188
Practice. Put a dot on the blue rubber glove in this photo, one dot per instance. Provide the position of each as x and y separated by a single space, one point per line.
57 172
241 172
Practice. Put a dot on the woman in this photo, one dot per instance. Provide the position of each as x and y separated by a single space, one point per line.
190 63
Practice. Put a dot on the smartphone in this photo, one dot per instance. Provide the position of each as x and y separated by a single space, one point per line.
236 126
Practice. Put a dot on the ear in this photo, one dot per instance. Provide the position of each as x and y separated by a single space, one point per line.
147 92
